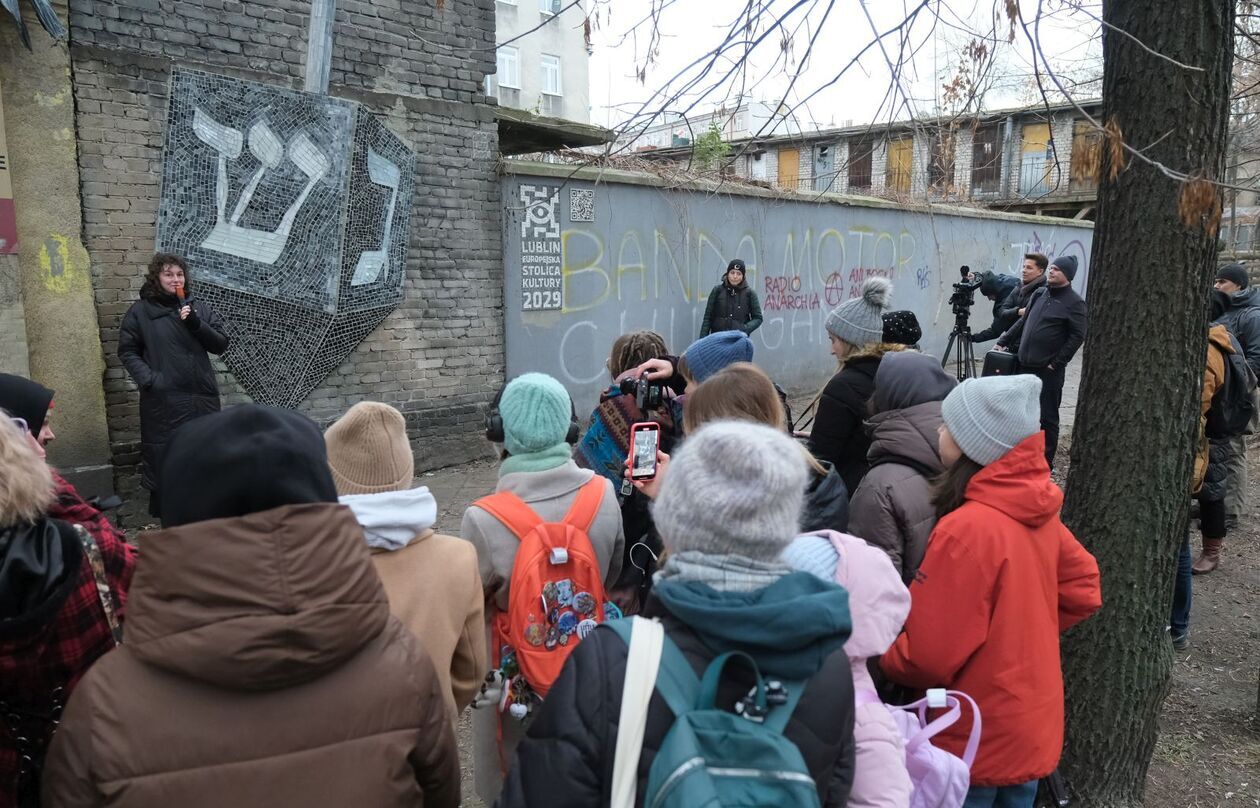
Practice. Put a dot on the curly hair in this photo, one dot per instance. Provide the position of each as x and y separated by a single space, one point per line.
633 349
152 287
26 484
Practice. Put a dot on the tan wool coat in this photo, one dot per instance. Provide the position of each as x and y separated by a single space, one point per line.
261 667
434 588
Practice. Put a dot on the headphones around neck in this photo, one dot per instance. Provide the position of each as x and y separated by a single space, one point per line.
494 420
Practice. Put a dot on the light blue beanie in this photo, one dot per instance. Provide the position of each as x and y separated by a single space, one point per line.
708 355
536 414
988 417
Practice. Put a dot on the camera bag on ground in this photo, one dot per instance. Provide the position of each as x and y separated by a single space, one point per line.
1000 363
1234 403
710 756
941 779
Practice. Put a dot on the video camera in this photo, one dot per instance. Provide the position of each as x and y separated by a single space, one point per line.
964 296
648 395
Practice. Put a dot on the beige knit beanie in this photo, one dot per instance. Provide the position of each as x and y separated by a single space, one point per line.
368 450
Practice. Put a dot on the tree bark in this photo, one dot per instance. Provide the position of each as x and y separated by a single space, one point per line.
1138 417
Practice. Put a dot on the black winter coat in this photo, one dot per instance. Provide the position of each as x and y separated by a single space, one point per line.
576 731
1005 309
826 503
1243 321
169 361
1051 331
839 435
731 308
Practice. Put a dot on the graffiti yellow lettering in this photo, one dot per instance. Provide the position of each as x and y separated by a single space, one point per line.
58 267
680 273
578 276
624 267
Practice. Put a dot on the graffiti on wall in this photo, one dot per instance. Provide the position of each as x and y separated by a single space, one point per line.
294 211
652 267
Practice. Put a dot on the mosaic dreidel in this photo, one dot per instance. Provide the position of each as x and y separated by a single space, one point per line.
293 210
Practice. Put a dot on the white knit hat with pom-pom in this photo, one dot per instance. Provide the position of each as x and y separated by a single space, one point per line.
860 321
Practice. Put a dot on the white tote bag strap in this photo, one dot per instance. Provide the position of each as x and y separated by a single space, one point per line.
642 661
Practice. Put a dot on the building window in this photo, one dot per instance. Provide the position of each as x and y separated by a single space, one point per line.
860 156
1036 160
986 160
900 159
941 162
549 7
551 75
1086 156
509 67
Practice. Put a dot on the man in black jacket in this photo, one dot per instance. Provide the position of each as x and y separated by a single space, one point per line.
1003 290
1046 338
1242 318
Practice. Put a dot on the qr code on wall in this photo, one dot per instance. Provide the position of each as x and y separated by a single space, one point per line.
540 212
581 204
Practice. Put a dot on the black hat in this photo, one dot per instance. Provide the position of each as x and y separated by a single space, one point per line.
737 263
243 460
1067 265
1235 273
902 327
25 399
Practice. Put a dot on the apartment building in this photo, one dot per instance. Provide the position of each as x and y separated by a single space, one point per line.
548 71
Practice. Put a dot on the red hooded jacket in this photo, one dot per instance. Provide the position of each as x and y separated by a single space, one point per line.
1001 579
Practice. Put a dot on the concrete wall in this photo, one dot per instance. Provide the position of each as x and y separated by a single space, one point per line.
438 357
651 256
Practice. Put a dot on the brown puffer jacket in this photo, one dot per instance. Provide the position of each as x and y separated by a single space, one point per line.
261 668
892 508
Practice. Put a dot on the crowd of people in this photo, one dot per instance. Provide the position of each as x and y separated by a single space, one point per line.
297 632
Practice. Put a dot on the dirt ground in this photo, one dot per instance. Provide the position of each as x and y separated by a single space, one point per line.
1208 751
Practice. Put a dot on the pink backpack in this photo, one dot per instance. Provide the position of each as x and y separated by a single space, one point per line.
940 779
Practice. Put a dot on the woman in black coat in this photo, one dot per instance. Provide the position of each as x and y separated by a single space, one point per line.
164 342
733 305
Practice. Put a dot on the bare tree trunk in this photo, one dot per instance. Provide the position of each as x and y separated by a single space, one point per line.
1137 422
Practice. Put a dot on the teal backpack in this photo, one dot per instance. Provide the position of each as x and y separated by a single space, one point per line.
712 758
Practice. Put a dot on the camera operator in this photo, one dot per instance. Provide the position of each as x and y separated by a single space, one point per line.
630 399
1002 290
1046 338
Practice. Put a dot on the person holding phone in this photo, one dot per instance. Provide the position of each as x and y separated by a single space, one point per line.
165 343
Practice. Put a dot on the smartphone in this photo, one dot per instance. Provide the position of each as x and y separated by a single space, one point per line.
645 441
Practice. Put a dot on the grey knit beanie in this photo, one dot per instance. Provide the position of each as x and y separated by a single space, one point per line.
988 417
733 487
860 321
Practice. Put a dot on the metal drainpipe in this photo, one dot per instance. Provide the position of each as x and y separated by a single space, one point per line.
1007 144
319 45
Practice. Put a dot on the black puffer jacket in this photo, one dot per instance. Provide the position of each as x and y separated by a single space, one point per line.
1004 290
566 760
1243 321
838 435
826 503
169 361
731 308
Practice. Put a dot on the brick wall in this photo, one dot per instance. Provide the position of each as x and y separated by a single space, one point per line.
439 356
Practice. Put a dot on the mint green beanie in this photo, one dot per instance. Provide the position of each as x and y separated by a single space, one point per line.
536 414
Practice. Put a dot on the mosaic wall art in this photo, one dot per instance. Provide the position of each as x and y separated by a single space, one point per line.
293 210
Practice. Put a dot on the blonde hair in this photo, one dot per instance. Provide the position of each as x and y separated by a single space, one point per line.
26 484
739 392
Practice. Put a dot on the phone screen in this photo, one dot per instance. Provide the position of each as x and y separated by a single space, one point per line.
645 445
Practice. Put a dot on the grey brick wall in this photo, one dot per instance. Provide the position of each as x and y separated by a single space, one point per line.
439 356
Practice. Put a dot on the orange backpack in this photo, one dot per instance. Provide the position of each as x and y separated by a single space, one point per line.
557 586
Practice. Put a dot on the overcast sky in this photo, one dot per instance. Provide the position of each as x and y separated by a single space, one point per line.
691 28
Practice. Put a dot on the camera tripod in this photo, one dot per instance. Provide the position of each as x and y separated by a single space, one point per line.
962 348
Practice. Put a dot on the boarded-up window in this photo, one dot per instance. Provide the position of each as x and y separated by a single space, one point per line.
1035 160
860 158
941 162
986 160
1086 154
900 158
789 168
